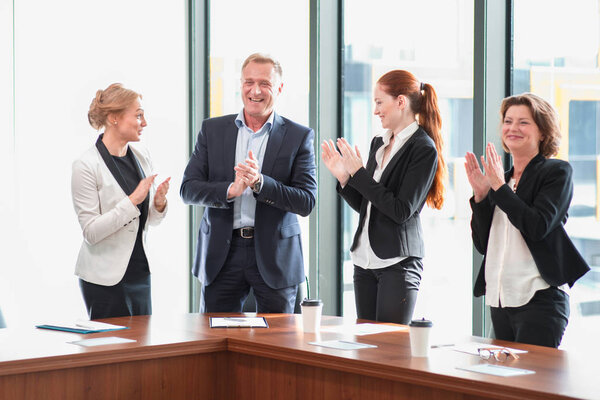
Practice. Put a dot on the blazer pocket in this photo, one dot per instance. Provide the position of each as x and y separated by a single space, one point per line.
290 230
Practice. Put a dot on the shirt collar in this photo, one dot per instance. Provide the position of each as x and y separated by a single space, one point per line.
240 121
403 134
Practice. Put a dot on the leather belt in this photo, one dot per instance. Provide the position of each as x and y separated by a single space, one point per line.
246 232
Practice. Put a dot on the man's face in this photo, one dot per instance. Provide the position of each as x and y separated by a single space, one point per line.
260 87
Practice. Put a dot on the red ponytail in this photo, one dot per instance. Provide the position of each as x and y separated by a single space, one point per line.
424 104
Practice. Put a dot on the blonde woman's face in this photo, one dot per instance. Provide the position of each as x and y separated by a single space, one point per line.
131 122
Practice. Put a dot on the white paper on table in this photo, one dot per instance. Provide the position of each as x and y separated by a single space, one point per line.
362 329
238 322
95 325
343 345
472 348
498 370
101 341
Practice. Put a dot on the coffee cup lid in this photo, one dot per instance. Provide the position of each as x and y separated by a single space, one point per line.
311 302
421 323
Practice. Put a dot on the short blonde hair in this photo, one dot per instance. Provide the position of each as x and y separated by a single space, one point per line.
544 116
262 58
113 100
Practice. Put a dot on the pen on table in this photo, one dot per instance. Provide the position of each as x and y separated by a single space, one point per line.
437 346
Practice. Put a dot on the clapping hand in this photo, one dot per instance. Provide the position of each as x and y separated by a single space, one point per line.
141 191
494 172
160 197
350 157
248 171
333 161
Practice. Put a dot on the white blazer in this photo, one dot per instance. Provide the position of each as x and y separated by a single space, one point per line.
108 219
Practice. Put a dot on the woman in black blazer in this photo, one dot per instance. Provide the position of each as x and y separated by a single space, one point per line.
404 170
518 225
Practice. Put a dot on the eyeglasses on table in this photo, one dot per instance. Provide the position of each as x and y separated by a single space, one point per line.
499 354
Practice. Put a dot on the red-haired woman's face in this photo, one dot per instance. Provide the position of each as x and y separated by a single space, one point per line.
387 108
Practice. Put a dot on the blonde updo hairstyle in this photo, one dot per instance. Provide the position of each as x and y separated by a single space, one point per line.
115 99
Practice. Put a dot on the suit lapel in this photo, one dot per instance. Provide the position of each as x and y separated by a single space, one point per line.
229 147
372 162
274 144
392 164
141 175
110 164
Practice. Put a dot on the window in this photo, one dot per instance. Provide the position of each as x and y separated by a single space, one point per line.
259 29
562 67
59 64
407 36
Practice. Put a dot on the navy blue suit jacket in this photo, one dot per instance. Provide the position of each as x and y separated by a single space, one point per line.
289 188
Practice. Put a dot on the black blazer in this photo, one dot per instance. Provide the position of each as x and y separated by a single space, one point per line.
539 210
397 199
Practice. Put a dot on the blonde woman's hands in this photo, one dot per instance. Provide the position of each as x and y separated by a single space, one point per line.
160 197
333 161
142 189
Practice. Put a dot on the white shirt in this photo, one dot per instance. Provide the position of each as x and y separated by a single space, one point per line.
511 275
363 254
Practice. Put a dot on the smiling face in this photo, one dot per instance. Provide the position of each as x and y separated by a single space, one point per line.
520 133
387 108
131 122
260 87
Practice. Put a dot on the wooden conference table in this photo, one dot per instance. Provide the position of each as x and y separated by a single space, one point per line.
181 357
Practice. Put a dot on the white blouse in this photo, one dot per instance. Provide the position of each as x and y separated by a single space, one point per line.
363 254
511 275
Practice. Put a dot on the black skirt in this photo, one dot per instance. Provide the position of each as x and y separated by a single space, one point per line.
131 296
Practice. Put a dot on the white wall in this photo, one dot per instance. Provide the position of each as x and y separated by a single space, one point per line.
64 51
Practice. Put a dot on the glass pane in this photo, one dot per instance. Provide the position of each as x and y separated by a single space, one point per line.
375 43
39 234
255 31
561 65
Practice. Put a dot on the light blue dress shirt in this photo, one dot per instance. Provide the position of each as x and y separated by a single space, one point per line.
244 206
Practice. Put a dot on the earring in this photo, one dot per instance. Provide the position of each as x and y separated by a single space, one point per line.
115 122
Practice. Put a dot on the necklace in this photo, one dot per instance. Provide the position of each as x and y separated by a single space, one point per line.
515 183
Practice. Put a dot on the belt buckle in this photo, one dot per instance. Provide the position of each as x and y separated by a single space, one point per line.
248 235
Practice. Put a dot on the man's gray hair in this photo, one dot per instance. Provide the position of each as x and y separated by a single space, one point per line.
262 58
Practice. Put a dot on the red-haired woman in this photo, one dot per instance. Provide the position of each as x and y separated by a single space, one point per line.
405 169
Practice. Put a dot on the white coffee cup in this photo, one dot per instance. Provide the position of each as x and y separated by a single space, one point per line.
420 330
311 315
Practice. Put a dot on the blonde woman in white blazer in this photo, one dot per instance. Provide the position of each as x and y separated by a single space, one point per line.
115 199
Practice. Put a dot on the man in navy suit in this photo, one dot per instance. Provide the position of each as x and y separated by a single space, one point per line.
253 172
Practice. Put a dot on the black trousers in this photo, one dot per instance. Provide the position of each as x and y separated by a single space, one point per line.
131 296
542 321
230 288
388 294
